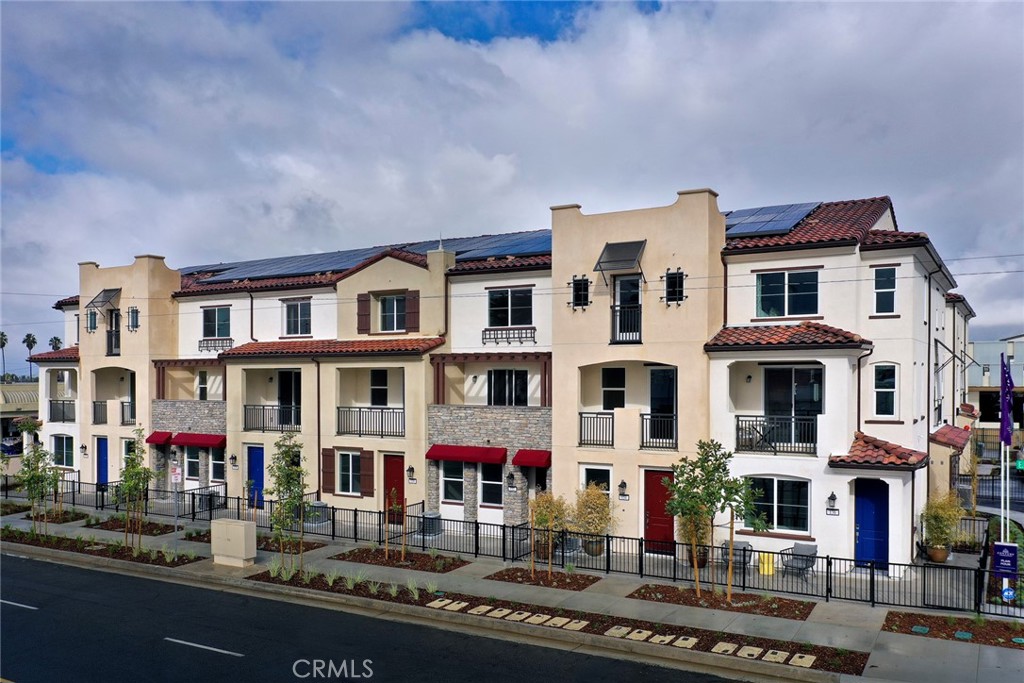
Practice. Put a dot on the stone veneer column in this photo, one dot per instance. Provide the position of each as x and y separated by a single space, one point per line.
433 486
204 467
470 495
517 502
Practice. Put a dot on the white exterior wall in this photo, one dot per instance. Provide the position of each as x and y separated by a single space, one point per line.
71 326
190 322
268 315
469 310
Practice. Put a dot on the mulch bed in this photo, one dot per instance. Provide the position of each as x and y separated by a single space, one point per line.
86 547
828 658
563 580
766 605
423 562
263 542
64 517
148 528
9 508
984 631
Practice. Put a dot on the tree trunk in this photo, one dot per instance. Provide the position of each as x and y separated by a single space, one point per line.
693 561
533 568
405 503
551 543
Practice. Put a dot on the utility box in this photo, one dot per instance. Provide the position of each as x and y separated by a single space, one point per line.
233 542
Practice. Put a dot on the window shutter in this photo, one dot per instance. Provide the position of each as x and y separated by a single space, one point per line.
363 313
366 474
412 310
327 475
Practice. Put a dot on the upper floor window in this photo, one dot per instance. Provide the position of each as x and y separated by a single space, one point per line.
784 503
580 292
133 318
90 320
885 290
202 385
885 390
392 313
297 317
217 322
510 307
63 450
507 388
787 293
674 287
378 387
613 388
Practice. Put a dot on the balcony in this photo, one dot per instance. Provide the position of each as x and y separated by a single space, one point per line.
281 418
216 344
371 421
114 343
626 321
62 411
508 335
99 412
659 431
597 429
127 413
761 434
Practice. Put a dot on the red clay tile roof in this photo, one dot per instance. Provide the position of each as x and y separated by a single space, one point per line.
869 452
803 335
969 410
192 285
878 238
541 262
334 347
948 435
66 301
831 223
60 355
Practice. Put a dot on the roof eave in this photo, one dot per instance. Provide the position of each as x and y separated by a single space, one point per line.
512 269
726 251
720 348
888 468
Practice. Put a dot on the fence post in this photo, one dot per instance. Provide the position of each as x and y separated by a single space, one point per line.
640 557
380 528
871 566
238 507
355 524
504 538
979 588
561 546
607 554
746 559
209 506
828 577
476 538
334 513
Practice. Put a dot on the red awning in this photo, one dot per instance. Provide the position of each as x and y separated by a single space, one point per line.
158 438
199 440
486 454
527 457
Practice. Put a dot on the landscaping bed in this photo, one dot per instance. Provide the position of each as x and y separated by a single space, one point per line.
164 557
424 562
263 542
117 524
984 631
9 507
766 605
53 517
564 580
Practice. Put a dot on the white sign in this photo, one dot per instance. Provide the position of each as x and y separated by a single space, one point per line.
175 474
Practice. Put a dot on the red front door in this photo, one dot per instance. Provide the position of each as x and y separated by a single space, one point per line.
394 487
657 523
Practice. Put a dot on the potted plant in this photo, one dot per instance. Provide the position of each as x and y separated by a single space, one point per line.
549 518
941 520
695 530
592 515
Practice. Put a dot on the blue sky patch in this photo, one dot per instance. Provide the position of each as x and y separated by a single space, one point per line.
485 21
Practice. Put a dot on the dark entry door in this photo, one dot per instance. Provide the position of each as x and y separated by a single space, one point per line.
394 486
289 397
792 398
871 519
101 460
663 403
627 308
254 470
658 536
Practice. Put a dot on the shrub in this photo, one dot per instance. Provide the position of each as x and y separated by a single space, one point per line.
413 589
941 519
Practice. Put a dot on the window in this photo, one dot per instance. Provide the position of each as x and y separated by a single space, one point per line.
133 318
782 501
78 329
191 462
90 321
63 451
392 313
451 481
885 290
378 387
674 287
217 465
217 322
510 307
491 484
202 385
885 390
787 293
296 317
348 473
506 387
602 476
613 388
580 292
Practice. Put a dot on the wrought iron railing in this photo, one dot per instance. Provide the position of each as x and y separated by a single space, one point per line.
509 335
99 412
763 434
597 429
113 342
626 324
127 412
284 418
62 410
216 344
658 431
371 421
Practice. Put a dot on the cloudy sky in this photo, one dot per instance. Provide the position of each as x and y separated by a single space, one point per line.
209 132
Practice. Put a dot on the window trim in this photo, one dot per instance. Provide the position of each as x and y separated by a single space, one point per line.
774 528
510 387
214 462
509 308
70 450
787 303
394 315
877 291
895 414
443 478
385 387
597 467
498 483
605 388
354 477
216 323
306 302
188 460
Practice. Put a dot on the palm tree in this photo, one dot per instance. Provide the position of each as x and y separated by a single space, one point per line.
3 356
56 343
30 342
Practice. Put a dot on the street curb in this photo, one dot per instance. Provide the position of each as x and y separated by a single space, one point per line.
702 662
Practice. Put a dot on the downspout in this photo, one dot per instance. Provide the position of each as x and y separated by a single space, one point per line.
319 470
928 363
913 515
725 292
252 323
859 368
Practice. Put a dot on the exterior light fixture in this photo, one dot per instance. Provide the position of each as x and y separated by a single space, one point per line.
832 501
411 473
622 490
749 378
83 450
234 460
510 482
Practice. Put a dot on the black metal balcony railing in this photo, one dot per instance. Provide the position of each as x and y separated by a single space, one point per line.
371 421
758 433
127 413
597 429
113 342
286 418
509 335
99 412
216 344
658 431
62 411
626 324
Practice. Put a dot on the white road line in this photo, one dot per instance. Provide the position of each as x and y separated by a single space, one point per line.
18 604
204 647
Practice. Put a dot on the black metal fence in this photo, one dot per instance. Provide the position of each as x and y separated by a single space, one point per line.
760 433
989 488
372 421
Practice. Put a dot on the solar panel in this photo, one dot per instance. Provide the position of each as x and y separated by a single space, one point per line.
766 220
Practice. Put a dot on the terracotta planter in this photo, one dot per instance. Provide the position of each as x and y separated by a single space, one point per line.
938 554
593 547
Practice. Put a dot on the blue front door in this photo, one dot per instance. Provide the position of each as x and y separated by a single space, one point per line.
101 460
255 474
871 518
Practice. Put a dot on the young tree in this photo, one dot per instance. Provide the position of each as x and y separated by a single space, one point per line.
56 343
738 498
135 479
3 355
38 475
288 483
30 342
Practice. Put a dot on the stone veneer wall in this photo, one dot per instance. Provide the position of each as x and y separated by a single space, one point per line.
199 417
508 427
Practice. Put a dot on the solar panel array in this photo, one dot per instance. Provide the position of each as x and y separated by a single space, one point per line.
766 220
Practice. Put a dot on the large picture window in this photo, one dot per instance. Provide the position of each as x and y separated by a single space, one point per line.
507 387
788 293
613 388
885 290
510 307
783 502
348 473
885 390
296 317
392 313
63 450
217 322
491 484
451 481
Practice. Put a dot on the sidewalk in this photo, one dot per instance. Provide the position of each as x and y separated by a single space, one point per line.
893 657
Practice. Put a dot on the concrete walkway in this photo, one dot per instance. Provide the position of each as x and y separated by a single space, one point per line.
893 657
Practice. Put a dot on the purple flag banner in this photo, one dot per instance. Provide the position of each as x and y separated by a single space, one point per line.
1005 402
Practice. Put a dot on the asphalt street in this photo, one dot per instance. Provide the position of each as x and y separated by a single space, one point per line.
73 625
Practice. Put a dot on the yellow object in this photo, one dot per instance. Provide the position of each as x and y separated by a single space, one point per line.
766 563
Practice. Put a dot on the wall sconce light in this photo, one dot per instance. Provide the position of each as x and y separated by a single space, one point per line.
411 474
749 378
84 451
475 378
270 380
510 482
121 379
622 490
832 501
234 461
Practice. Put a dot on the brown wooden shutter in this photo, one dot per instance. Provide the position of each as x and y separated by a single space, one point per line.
327 470
363 313
412 310
366 474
